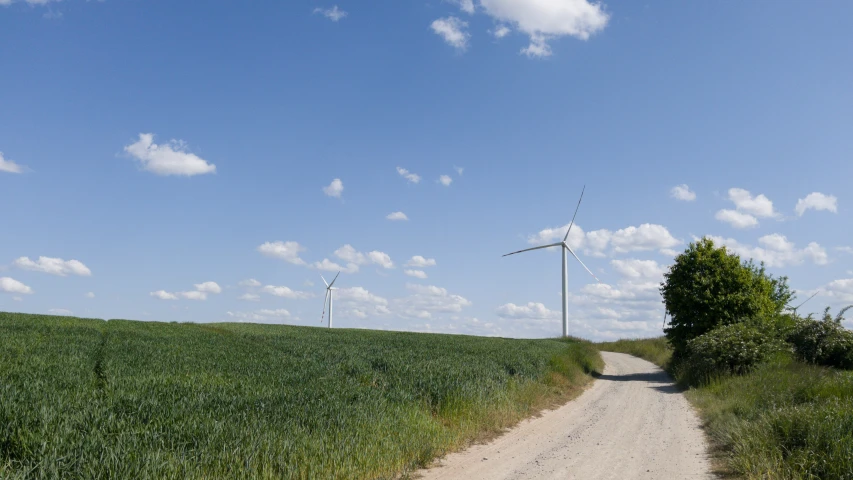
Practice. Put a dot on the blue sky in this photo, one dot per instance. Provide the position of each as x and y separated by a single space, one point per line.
163 146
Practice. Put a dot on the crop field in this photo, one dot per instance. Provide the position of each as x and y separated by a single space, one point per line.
84 398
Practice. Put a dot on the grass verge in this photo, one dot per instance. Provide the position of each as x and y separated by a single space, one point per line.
120 399
784 420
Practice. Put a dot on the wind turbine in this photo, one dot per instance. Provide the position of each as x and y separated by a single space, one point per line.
329 291
564 246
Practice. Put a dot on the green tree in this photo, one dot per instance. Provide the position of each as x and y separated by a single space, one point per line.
708 287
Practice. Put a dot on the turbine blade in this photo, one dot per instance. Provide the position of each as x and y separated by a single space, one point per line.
333 280
579 261
324 281
534 248
575 215
323 316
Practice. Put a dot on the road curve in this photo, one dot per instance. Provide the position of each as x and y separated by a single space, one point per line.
631 424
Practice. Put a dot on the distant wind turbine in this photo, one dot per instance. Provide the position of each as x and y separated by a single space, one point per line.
564 247
329 291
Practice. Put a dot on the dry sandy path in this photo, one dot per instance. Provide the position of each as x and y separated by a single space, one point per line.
631 424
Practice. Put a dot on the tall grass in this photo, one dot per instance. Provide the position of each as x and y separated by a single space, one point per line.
655 350
783 420
121 399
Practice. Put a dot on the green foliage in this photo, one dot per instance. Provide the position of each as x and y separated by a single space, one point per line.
727 350
119 399
784 420
707 287
655 350
822 342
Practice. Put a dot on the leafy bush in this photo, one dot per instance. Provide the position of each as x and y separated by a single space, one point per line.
727 350
822 343
707 287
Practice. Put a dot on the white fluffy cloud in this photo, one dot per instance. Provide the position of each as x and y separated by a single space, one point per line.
840 290
759 205
249 297
335 189
208 287
261 316
397 216
287 251
425 301
736 219
544 20
90 295
334 14
10 285
817 201
531 310
409 176
420 262
459 170
250 283
634 268
381 258
168 159
466 6
452 30
285 292
60 311
54 266
416 273
9 166
164 295
682 192
776 251
501 31
329 266
630 239
445 180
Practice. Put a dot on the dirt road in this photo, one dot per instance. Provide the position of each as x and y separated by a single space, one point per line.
631 424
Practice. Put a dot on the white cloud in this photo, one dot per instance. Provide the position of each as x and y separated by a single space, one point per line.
445 180
452 30
360 295
287 251
169 159
670 252
411 177
776 251
736 219
682 192
633 268
348 253
420 262
54 266
249 297
631 239
334 14
193 295
427 300
459 170
335 188
250 283
759 206
90 295
164 295
532 310
285 292
397 216
544 20
329 266
208 287
817 201
381 258
845 249
9 166
466 6
60 311
501 31
10 285
840 290
416 273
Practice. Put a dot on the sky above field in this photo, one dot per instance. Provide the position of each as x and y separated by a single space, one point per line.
207 162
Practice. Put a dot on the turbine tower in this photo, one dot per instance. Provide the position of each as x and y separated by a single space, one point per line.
329 291
564 246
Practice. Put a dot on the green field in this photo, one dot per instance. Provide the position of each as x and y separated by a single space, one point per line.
784 420
93 399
